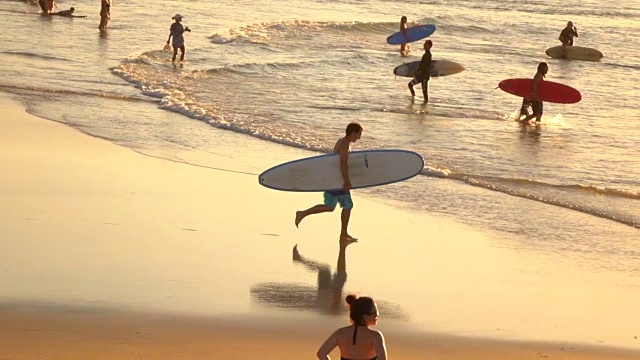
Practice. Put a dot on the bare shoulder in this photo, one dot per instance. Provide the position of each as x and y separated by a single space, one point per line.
342 145
344 329
376 333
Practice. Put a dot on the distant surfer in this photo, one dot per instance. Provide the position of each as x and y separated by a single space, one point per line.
423 75
357 341
567 34
343 196
68 13
176 30
534 99
404 48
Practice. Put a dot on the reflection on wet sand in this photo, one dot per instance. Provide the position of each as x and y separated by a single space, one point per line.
326 298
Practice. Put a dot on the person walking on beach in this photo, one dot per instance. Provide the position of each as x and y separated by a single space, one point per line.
404 48
343 196
423 75
105 14
567 34
534 99
357 341
176 30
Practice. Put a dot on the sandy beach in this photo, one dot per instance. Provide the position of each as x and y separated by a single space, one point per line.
111 254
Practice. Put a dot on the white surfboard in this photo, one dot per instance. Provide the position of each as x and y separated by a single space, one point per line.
322 173
574 53
438 68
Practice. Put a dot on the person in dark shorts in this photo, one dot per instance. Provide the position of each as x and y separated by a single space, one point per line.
567 34
343 196
423 74
534 99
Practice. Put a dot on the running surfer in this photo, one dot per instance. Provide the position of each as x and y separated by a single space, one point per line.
343 196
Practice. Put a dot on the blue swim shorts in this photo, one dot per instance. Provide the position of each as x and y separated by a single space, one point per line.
332 198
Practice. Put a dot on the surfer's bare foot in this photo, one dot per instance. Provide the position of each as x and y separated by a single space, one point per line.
347 238
299 217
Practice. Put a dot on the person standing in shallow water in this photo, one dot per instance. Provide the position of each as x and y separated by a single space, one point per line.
176 30
343 196
423 75
357 341
105 14
404 48
534 98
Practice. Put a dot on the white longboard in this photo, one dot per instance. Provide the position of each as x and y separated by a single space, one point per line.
574 53
438 68
322 173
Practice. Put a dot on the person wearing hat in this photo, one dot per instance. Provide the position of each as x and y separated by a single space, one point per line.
176 30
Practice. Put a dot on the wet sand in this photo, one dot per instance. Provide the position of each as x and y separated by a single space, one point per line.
108 253
30 332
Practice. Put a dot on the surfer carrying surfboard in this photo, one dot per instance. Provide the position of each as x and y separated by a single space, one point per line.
342 197
534 99
567 34
423 75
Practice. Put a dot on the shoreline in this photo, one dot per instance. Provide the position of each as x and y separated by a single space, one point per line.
118 247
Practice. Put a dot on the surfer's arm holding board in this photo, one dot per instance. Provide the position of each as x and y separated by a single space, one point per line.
425 64
534 89
342 148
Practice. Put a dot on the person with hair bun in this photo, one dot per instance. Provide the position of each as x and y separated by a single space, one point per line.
357 341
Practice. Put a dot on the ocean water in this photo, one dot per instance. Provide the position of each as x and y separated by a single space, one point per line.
296 73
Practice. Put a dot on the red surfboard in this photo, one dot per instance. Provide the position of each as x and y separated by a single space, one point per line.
548 91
